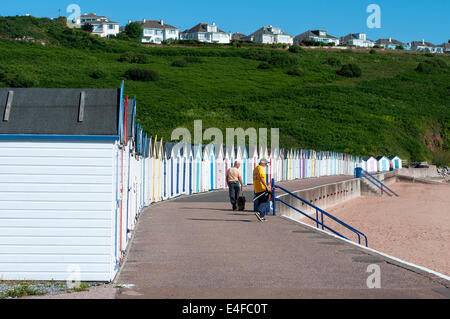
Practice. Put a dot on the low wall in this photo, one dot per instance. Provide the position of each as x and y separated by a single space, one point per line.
419 172
324 196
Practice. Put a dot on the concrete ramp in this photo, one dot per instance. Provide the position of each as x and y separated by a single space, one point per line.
196 247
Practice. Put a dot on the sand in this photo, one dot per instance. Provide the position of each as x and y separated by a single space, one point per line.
414 227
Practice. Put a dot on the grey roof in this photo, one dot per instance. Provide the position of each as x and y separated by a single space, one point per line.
56 111
154 24
267 30
388 41
314 33
201 27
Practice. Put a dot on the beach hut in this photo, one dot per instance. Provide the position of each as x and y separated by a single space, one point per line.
206 166
244 165
220 166
252 162
189 168
370 164
196 168
395 161
75 144
212 168
238 150
167 170
383 163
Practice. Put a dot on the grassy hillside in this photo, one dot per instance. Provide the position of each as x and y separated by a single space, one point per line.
391 109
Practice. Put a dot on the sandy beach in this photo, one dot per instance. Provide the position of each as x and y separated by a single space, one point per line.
414 227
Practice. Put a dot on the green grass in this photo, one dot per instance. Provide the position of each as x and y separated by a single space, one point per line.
390 109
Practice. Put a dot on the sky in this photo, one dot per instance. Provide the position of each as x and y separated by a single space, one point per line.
403 20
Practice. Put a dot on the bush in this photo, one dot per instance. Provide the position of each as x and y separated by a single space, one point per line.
264 66
332 61
98 74
134 58
373 51
429 55
432 66
295 71
181 63
142 75
295 49
350 71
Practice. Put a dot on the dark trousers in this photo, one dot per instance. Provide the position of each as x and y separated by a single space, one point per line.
234 189
261 203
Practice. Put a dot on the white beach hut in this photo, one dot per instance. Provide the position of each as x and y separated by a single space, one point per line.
395 161
383 163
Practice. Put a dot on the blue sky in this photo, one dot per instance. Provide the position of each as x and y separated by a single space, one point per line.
404 20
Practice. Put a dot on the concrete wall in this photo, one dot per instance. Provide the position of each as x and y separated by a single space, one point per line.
419 172
322 196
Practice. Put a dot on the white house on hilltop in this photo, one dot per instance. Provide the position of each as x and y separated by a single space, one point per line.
102 25
270 35
423 46
205 32
358 40
317 36
157 31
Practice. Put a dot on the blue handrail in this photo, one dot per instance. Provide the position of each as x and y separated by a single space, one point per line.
376 181
322 212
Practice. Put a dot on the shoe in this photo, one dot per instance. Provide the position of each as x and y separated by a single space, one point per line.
259 217
264 219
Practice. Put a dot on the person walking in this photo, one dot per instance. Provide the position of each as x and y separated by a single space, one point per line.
262 190
234 182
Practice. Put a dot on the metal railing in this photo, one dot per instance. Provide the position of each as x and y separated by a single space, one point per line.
379 184
319 223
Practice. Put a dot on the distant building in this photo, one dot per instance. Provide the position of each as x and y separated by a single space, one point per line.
392 44
358 40
157 31
446 47
103 26
270 35
238 36
205 32
423 46
316 36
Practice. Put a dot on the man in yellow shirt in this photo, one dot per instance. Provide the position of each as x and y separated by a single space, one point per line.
262 190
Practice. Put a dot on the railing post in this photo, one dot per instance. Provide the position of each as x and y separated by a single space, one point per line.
317 218
273 197
321 217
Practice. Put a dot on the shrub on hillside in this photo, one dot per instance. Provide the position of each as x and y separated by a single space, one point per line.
373 51
141 75
264 66
98 74
432 66
295 49
332 61
295 71
181 63
131 57
350 70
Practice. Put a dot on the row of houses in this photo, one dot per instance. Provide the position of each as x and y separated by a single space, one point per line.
157 31
76 170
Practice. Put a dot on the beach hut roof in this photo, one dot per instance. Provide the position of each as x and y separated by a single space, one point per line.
393 157
168 146
57 111
381 157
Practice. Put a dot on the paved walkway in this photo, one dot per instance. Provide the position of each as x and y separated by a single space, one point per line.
196 247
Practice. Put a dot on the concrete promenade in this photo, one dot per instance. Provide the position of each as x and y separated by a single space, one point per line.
196 247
